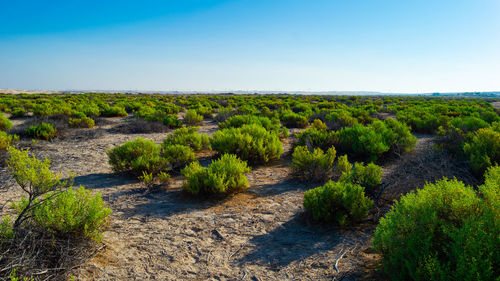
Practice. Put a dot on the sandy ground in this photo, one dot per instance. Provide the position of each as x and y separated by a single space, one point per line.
260 234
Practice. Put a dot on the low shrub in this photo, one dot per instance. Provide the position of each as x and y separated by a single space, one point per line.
225 175
6 140
84 122
137 156
192 117
18 112
317 138
171 121
113 111
313 166
293 120
483 149
343 166
250 142
319 125
269 124
188 136
44 131
444 231
341 202
5 123
367 176
177 154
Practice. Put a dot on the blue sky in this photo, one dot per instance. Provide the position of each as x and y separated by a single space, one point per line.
379 45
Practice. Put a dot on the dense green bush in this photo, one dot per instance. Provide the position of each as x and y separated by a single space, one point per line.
319 125
18 112
341 202
171 121
113 111
313 166
367 176
84 122
6 140
5 123
188 136
225 175
483 149
317 138
293 120
250 142
269 124
44 131
192 117
177 154
445 231
137 156
71 212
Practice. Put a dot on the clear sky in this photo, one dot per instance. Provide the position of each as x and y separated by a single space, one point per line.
410 46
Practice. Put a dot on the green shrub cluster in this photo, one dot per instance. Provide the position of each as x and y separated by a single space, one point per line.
6 140
44 131
366 176
188 136
177 154
444 231
341 202
192 117
483 149
250 142
313 166
293 120
5 123
317 138
84 122
225 175
137 156
113 111
171 121
18 112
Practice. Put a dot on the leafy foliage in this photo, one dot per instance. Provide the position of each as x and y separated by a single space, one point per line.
192 117
44 131
225 175
315 166
177 154
483 149
5 123
188 136
367 176
6 140
137 156
444 231
84 122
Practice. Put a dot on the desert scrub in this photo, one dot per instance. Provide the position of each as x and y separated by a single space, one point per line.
84 122
225 175
171 121
483 149
43 131
317 138
6 140
367 176
188 136
18 112
444 231
136 156
113 111
5 123
177 154
250 142
192 117
319 125
341 202
293 120
313 166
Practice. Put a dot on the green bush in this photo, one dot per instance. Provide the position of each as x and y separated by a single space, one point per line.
71 212
44 131
84 122
293 120
5 123
483 149
226 175
343 166
113 111
317 138
319 125
137 156
269 124
171 121
367 176
250 142
192 117
315 166
341 202
6 140
18 112
444 231
177 154
188 136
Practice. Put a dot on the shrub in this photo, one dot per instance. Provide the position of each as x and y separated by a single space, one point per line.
293 120
250 142
171 121
341 202
113 111
444 231
6 140
319 125
5 123
150 179
343 166
316 165
18 112
317 138
71 212
367 176
483 149
84 122
137 156
269 124
188 136
177 154
226 175
192 117
44 131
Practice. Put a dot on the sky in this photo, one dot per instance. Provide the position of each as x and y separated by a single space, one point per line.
392 46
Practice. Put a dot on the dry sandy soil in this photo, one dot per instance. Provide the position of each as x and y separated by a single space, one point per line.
260 234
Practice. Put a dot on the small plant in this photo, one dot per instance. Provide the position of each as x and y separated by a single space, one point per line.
6 140
315 166
319 125
250 142
225 175
192 117
84 122
5 123
137 156
343 167
18 112
43 131
367 176
444 231
188 136
313 137
177 154
171 121
150 180
483 149
341 202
